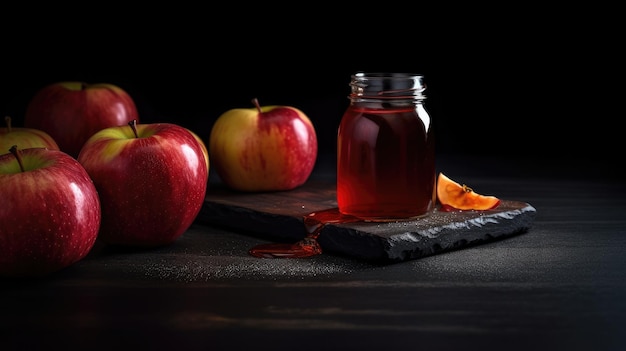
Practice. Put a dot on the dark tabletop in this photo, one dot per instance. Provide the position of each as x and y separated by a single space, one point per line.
559 286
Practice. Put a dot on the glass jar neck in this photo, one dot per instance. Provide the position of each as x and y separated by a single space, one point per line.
387 87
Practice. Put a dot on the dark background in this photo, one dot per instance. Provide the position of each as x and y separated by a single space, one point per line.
521 85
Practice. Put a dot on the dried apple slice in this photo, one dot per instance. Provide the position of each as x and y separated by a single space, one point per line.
454 196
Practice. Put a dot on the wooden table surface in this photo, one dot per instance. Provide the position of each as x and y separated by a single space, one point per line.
560 286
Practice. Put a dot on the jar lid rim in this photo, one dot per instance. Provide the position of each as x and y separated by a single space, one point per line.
387 75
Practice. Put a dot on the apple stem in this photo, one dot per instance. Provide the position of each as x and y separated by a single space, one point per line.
17 155
7 120
133 126
255 101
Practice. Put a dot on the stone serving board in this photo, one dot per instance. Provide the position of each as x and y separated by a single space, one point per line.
278 216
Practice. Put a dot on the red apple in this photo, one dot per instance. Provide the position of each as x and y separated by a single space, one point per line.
71 112
266 148
24 138
205 151
50 212
152 181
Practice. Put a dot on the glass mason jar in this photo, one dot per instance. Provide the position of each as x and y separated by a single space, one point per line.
386 149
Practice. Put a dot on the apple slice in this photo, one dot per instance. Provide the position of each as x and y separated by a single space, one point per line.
454 196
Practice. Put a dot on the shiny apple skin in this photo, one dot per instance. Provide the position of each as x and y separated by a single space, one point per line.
50 214
205 150
25 138
151 188
273 149
71 112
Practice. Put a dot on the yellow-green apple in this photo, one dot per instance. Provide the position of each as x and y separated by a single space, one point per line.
50 212
71 112
152 181
269 148
24 138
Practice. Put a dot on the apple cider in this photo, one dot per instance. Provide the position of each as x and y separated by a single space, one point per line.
385 149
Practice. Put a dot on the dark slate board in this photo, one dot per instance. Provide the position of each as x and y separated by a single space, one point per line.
278 216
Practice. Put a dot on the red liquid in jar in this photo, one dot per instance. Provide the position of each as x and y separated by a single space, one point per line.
385 162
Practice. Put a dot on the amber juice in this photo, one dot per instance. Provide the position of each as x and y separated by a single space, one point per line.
385 162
